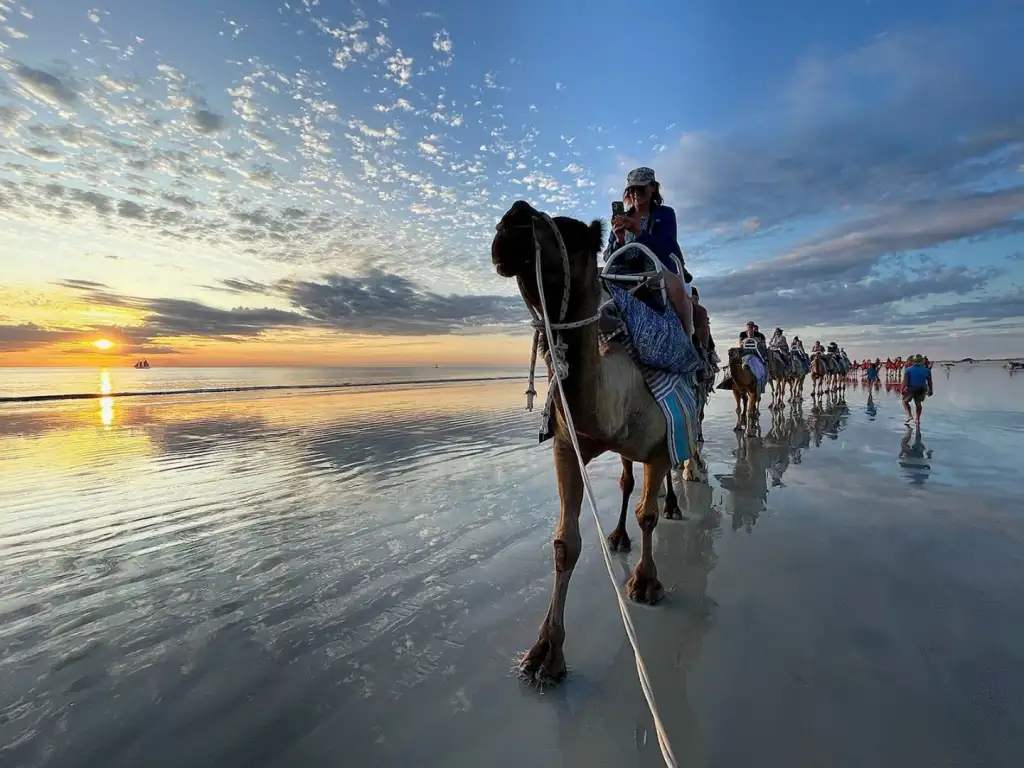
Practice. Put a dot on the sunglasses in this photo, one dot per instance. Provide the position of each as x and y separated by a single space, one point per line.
636 190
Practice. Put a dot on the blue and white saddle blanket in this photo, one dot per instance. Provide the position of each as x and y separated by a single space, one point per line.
756 366
642 332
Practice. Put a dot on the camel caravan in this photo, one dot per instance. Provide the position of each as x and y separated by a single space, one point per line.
630 365
757 364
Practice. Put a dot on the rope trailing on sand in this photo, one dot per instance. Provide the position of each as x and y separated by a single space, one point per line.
560 373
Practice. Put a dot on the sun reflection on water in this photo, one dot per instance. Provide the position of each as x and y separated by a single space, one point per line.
106 402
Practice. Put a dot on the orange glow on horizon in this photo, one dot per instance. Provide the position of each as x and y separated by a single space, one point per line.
103 344
485 350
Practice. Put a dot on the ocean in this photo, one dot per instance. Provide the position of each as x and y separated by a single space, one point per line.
311 577
79 383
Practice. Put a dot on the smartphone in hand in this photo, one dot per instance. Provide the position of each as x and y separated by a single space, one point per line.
618 208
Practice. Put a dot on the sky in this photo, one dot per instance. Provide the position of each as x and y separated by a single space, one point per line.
316 182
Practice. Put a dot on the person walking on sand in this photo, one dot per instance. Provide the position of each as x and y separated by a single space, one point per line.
917 384
872 374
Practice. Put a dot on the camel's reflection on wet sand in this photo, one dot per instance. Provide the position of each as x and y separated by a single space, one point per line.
347 578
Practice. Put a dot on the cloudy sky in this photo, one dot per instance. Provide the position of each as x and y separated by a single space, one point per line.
317 181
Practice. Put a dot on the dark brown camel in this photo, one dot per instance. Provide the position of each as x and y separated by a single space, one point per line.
819 374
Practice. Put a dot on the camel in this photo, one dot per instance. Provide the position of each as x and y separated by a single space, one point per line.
839 380
796 383
607 397
744 390
819 375
779 374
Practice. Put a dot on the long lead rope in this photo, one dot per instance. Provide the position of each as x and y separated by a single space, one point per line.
641 669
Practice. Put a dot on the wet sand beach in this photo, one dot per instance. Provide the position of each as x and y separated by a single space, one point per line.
347 577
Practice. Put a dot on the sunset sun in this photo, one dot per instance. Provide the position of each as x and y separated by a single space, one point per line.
103 344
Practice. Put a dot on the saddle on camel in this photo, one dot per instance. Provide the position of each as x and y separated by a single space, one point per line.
748 374
626 374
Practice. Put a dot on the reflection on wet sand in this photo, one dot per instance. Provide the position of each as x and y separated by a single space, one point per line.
760 462
915 458
278 580
673 639
106 402
870 408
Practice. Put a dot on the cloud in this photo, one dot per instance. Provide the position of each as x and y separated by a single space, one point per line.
207 121
443 45
16 338
859 273
380 303
852 250
911 115
1009 306
175 318
184 317
241 285
44 87
377 303
82 285
866 301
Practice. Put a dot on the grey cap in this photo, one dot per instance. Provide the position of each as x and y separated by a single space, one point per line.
640 177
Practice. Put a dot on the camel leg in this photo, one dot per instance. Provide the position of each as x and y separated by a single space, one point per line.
545 661
671 509
695 470
751 411
643 586
740 411
618 540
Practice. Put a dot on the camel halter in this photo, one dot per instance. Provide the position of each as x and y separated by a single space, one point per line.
556 350
555 354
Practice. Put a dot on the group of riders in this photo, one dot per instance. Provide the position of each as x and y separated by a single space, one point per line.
794 357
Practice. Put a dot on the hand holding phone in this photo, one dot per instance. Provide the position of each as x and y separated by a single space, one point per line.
618 208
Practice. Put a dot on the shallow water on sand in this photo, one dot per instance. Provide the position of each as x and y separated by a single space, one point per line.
345 579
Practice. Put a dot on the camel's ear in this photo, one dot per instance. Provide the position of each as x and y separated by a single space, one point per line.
596 232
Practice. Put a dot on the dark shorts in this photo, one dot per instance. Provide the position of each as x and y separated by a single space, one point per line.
917 394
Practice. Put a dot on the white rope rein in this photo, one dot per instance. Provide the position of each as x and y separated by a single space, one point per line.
560 373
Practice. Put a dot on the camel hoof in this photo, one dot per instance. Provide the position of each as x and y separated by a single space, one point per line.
644 589
671 512
544 664
618 541
738 428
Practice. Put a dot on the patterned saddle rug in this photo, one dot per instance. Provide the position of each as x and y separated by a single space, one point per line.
670 375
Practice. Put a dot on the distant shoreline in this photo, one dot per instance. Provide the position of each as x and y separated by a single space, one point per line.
981 360
255 388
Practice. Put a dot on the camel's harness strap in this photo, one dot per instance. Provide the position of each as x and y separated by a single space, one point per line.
556 350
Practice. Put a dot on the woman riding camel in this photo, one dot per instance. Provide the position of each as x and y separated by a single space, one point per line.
701 322
651 223
798 351
779 342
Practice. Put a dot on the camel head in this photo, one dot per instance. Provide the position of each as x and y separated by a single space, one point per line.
513 253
